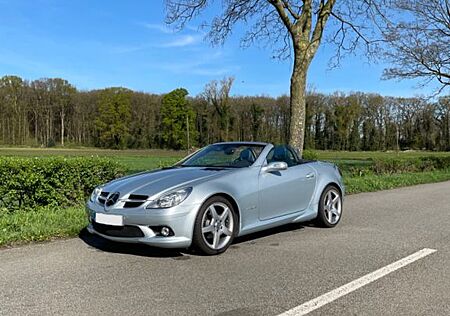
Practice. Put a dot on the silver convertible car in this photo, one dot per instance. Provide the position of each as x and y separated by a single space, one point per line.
220 192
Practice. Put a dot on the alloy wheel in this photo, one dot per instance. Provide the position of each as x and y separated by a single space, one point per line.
217 225
332 206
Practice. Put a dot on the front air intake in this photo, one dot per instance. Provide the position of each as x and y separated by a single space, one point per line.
118 231
135 200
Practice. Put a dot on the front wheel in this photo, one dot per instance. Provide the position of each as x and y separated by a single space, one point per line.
215 226
330 207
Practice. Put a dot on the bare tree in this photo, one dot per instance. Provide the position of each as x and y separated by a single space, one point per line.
419 41
217 94
294 28
62 93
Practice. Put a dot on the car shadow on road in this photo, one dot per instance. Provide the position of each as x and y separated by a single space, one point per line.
252 238
143 250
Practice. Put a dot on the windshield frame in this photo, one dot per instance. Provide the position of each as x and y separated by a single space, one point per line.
261 146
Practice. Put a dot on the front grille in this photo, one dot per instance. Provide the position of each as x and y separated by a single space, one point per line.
118 231
134 200
102 197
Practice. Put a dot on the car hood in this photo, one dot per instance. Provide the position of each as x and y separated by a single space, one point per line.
154 182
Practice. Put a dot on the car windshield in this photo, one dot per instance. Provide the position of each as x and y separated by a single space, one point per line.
225 155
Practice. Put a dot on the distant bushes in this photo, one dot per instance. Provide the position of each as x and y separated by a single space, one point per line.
383 166
310 154
31 182
420 164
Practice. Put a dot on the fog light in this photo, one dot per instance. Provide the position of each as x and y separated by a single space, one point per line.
165 231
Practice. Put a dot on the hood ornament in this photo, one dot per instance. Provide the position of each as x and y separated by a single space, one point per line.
112 199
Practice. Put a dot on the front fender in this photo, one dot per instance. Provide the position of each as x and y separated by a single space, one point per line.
241 186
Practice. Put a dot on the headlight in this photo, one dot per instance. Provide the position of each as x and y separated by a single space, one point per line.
170 199
95 193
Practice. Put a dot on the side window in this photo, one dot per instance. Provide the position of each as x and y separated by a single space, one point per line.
282 153
269 157
291 158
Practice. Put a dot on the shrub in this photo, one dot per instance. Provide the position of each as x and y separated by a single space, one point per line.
310 154
419 164
388 166
32 182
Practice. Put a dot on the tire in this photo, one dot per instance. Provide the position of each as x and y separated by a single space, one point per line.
215 226
330 213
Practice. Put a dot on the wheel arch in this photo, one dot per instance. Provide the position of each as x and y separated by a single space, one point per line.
334 184
233 203
322 184
325 186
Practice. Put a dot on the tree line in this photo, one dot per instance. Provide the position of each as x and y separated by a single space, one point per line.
51 111
413 35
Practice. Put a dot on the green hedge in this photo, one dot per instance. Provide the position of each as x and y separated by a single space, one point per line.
31 182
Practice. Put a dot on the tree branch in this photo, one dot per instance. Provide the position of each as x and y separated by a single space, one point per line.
279 6
325 9
287 5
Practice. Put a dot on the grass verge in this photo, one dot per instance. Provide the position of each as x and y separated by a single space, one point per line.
49 223
43 223
371 183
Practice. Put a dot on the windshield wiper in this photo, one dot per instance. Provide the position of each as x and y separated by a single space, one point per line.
172 167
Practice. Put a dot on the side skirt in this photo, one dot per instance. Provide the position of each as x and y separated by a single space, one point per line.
306 215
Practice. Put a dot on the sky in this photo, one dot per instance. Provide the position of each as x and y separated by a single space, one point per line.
98 44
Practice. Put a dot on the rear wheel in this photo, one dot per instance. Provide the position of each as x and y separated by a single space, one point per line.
330 207
215 226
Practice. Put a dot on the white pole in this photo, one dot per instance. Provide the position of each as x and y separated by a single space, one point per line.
187 127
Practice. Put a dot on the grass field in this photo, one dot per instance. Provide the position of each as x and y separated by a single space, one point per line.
48 223
364 155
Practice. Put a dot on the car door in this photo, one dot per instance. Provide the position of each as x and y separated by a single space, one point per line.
286 191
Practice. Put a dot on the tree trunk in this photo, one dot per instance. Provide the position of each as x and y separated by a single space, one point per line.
36 127
62 128
298 104
448 130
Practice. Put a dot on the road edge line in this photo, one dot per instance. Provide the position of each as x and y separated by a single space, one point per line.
345 289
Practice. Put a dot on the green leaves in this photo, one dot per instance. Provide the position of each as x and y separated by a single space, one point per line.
176 116
310 154
31 182
114 118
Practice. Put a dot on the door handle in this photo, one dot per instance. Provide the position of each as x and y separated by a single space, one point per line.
310 175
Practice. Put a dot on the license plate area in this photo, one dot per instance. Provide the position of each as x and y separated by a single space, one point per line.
109 219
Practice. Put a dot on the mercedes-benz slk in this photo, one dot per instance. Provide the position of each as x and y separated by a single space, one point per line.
222 191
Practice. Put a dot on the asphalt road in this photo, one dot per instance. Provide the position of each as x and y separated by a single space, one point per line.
263 274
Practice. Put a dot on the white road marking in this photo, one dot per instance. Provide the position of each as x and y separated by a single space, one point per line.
333 295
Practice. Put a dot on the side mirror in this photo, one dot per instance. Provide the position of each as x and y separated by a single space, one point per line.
275 166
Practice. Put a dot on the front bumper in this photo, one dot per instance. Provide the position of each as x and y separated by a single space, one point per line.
180 219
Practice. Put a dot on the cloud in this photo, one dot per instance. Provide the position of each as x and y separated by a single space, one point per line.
214 72
213 64
182 41
164 28
126 49
174 38
198 70
157 27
